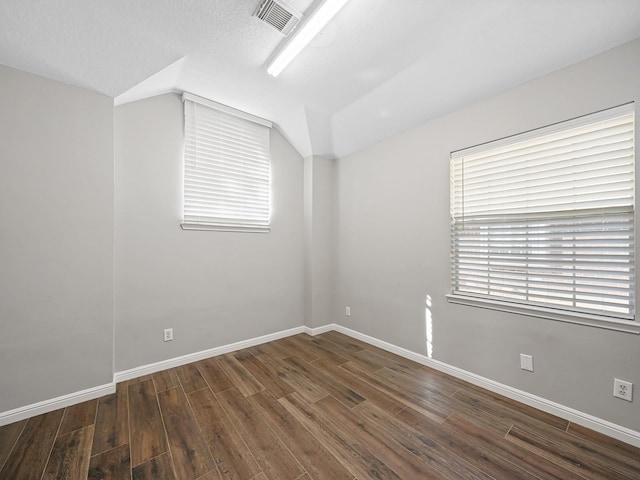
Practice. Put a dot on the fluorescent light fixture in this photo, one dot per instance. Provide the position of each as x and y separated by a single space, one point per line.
309 29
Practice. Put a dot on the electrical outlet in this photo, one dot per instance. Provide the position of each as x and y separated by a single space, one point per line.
168 334
526 362
347 311
623 390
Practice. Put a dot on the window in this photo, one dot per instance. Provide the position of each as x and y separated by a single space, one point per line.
543 223
226 168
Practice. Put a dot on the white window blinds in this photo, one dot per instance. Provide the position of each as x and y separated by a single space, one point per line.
226 168
546 218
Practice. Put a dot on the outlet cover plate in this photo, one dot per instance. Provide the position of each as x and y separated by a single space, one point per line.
526 362
623 390
168 334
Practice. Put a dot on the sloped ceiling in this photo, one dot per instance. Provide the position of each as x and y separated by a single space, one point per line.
379 68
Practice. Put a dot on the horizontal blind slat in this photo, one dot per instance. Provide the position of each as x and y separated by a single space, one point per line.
226 168
549 220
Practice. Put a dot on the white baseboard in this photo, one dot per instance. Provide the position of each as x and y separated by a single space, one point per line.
611 429
211 352
619 432
319 330
63 401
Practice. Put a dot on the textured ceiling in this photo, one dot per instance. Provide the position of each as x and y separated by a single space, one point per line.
380 67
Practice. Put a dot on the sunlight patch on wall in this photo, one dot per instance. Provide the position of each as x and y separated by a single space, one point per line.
429 327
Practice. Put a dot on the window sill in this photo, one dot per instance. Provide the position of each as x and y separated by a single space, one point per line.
599 321
226 228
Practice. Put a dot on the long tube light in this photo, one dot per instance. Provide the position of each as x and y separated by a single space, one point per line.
310 29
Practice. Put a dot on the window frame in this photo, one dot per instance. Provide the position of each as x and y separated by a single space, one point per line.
604 320
233 224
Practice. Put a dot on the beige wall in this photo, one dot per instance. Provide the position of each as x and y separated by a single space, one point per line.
56 238
212 288
393 246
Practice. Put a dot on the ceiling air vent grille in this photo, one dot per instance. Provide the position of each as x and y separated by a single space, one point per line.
279 16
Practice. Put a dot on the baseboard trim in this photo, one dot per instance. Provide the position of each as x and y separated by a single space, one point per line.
319 330
211 352
63 401
619 432
56 403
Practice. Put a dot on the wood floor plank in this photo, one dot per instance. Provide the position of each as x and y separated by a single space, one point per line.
29 456
78 416
339 391
294 348
147 434
347 343
260 476
114 464
307 408
230 452
433 453
268 375
256 350
311 454
405 463
469 411
214 375
472 449
437 411
165 379
369 360
191 457
364 389
399 362
279 349
353 455
69 459
496 451
600 449
328 346
320 347
414 386
8 437
190 378
271 454
112 421
288 373
210 476
240 377
571 456
158 468
617 447
507 409
423 379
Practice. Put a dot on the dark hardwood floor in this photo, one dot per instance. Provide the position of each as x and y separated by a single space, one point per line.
325 407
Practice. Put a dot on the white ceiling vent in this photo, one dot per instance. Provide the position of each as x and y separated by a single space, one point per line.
280 16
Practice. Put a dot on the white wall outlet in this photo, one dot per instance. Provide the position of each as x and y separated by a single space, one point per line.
347 311
168 334
623 390
526 362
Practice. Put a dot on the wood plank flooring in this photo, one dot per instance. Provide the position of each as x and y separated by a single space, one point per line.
307 408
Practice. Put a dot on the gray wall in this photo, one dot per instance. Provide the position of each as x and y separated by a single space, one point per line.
56 233
319 210
213 288
393 246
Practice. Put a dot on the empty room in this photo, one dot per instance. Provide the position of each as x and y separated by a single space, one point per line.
319 239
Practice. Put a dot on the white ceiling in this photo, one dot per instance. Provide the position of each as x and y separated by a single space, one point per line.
379 68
